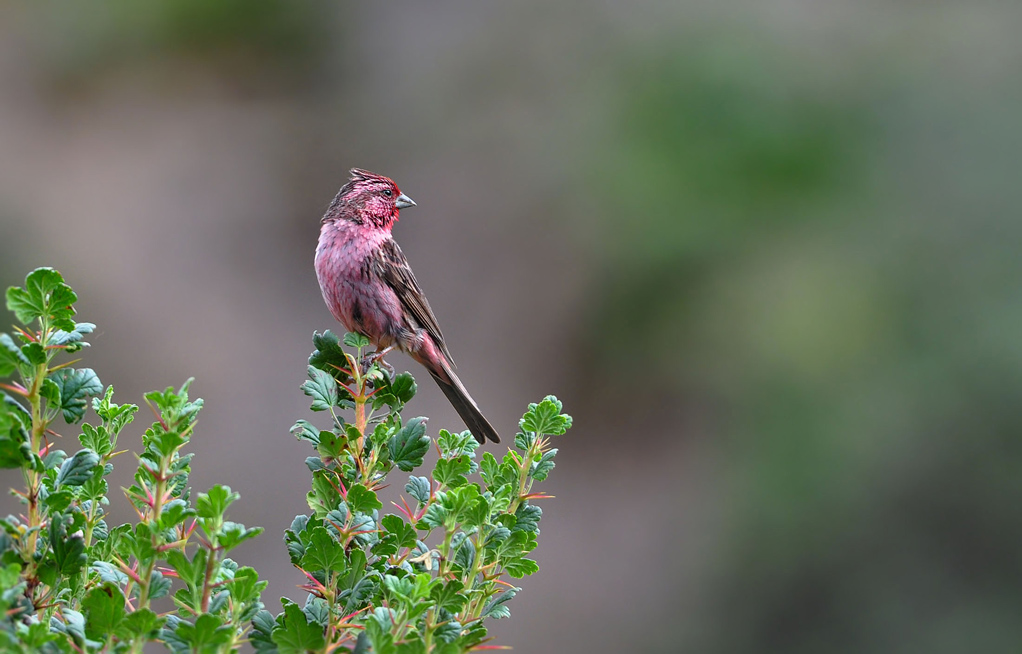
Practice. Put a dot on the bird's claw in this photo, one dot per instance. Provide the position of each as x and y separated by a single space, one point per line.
387 369
377 358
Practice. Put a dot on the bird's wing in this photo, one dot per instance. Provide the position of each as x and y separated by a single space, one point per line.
392 267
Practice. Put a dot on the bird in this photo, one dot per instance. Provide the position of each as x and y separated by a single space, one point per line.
370 289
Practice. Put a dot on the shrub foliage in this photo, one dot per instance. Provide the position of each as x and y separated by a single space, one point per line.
421 578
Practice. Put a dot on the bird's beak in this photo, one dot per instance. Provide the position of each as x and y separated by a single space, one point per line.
403 202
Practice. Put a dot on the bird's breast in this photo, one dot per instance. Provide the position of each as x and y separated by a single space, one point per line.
356 297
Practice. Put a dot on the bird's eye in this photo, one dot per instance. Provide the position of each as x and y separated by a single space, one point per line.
388 192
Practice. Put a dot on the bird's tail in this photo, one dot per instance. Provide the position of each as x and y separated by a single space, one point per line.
465 406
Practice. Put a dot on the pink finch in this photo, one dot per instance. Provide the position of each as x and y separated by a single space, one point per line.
370 289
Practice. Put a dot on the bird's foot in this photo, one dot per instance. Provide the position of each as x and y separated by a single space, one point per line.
386 368
377 358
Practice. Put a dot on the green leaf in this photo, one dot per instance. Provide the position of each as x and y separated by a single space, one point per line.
20 412
459 500
218 600
95 440
213 505
245 587
206 634
435 516
10 356
447 634
495 536
54 459
325 496
78 469
329 354
452 445
362 500
488 468
175 404
293 538
170 638
464 550
404 533
497 475
354 339
317 610
57 501
362 643
233 534
364 523
546 418
380 435
412 644
418 487
452 472
322 551
141 623
294 634
68 551
360 592
395 391
322 388
352 434
174 513
141 542
448 596
385 547
403 387
299 523
74 623
100 532
10 426
541 469
527 518
116 415
331 446
109 572
380 637
10 575
504 494
524 440
261 635
191 572
356 584
103 607
34 637
520 567
159 586
45 295
75 386
409 445
295 547
477 513
497 608
303 430
34 353
163 443
71 340
400 587
14 454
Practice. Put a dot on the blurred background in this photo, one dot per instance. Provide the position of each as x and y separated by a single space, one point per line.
766 251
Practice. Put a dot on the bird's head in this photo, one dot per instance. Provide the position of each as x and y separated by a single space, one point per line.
368 198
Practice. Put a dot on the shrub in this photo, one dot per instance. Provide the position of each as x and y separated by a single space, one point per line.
422 579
